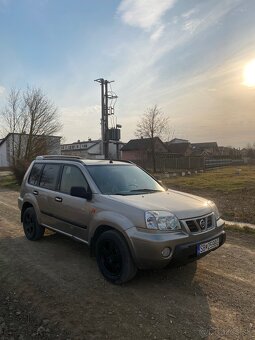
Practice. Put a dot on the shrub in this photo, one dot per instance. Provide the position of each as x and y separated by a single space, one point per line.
19 169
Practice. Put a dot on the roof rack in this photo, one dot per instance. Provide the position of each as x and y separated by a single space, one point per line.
123 160
59 157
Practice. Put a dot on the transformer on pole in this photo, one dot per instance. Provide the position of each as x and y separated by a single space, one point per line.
114 132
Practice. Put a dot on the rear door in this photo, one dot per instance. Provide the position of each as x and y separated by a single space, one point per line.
46 192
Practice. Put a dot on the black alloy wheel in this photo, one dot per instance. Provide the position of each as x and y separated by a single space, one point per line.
113 257
32 229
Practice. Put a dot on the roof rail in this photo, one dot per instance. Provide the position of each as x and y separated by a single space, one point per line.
59 157
124 161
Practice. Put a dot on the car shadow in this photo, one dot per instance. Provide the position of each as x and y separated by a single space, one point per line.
169 303
174 294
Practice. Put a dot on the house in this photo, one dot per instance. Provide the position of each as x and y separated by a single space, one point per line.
229 151
141 149
14 146
179 147
178 140
205 149
92 149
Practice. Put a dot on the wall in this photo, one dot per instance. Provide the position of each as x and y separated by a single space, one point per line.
3 155
12 143
134 155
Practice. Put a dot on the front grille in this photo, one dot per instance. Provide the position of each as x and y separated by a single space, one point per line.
192 226
209 221
200 224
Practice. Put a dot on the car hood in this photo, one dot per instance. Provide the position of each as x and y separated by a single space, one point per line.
181 204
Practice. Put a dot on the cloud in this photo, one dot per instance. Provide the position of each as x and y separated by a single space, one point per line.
145 14
191 25
157 33
188 14
2 90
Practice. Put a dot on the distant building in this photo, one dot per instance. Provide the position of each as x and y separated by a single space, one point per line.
179 147
141 149
15 144
178 140
229 151
245 152
205 149
92 149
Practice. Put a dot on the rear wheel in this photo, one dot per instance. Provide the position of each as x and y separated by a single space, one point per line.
32 229
113 257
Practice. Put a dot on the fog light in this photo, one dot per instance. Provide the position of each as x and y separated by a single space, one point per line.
166 252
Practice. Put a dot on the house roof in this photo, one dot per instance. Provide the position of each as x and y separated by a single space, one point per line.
205 145
140 144
4 139
177 148
178 140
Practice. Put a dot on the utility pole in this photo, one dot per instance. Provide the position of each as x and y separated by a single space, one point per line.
106 149
102 112
105 114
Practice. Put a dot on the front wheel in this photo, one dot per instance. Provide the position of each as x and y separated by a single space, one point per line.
113 257
32 229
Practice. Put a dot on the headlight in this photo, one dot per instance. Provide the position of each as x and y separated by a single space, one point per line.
214 209
161 220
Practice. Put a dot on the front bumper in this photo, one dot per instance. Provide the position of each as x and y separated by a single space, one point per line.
146 247
185 253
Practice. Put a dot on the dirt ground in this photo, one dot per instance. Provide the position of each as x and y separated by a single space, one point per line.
52 289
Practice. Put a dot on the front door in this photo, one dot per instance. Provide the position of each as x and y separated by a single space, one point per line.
72 213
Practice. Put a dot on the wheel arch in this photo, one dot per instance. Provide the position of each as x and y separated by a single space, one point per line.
101 229
24 207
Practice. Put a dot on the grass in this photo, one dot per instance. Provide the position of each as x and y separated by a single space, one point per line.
232 189
244 229
220 180
8 181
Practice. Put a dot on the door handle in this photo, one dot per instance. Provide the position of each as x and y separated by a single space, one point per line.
35 192
58 199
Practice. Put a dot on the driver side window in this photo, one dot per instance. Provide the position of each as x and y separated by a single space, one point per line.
72 177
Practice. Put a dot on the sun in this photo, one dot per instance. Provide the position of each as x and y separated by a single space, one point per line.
249 74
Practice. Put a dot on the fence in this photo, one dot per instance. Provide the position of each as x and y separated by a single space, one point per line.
165 163
213 163
168 163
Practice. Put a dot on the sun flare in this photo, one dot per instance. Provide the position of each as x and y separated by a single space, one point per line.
249 74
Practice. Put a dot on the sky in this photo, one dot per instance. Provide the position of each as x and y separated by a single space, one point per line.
194 59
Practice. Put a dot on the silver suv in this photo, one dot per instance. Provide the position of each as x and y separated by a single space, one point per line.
126 216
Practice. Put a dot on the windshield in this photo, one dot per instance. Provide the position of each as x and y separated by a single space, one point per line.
123 180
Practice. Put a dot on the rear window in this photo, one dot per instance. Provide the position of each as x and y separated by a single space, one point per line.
49 176
34 176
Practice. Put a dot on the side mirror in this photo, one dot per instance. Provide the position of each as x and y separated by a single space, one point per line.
81 192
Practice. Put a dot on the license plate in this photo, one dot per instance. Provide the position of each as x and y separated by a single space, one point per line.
207 246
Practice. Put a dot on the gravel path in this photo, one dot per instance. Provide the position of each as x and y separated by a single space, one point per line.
52 289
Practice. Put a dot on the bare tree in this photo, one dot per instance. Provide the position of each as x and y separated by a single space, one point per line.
251 150
43 120
152 124
15 120
31 118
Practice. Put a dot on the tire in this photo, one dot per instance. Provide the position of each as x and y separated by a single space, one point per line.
32 229
113 257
